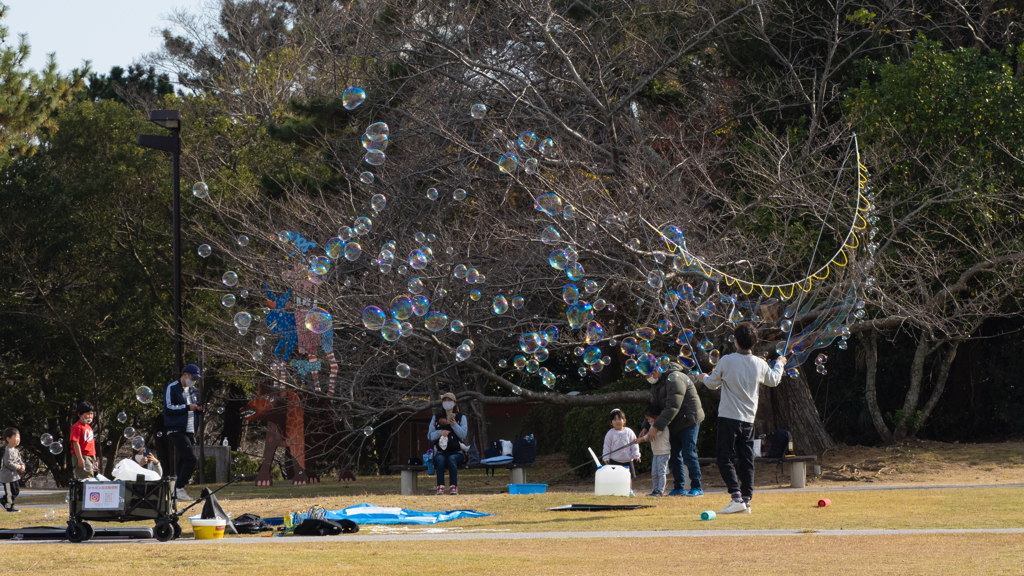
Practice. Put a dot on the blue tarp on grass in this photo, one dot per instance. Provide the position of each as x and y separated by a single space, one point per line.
370 514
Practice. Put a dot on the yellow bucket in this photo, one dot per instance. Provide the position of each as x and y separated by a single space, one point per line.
208 529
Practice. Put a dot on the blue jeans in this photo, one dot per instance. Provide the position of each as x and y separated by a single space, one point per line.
451 462
658 468
684 450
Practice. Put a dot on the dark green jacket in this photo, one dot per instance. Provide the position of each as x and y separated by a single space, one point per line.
677 396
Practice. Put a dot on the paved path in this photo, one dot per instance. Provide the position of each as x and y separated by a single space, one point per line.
462 536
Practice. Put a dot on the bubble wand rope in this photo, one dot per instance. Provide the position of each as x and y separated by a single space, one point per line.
824 220
587 463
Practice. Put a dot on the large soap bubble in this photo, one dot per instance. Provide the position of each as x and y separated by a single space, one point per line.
373 317
550 204
46 439
56 448
138 442
374 157
435 321
377 131
144 394
378 202
351 98
229 278
320 265
507 163
527 140
478 111
318 320
595 333
352 251
402 370
130 432
401 307
391 330
243 320
334 248
570 294
200 190
459 195
204 250
531 166
558 260
550 236
228 300
574 271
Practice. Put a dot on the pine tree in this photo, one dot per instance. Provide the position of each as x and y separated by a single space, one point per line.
28 99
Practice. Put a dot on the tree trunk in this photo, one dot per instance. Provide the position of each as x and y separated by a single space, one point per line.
940 385
909 414
791 407
870 342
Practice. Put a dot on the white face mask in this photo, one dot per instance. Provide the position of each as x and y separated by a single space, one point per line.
448 405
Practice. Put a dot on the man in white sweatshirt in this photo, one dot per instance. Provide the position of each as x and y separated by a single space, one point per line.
739 375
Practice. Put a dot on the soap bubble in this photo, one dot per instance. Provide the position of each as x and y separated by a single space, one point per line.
550 204
46 439
144 394
460 271
401 307
530 342
517 302
352 97
551 334
502 363
590 287
220 410
519 362
415 286
459 194
570 294
706 345
435 321
548 379
345 233
569 213
517 390
655 279
646 364
52 514
402 370
204 250
547 147
417 260
644 332
478 111
474 295
320 265
685 350
362 225
200 190
378 202
366 177
664 326
793 372
432 194
318 321
595 333
527 140
550 236
821 359
821 368
472 275
229 278
352 251
431 237
735 316
541 354
56 448
579 314
591 355
441 293
260 340
159 434
420 305
591 227
558 260
462 352
334 248
374 157
574 271
713 357
122 417
377 131
257 355
391 330
228 300
373 318
457 326
843 345
129 432
531 166
628 346
508 162
138 442
786 325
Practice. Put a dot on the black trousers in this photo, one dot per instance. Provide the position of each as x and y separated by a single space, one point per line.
736 456
183 443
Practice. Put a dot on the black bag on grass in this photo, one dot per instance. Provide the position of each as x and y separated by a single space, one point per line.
324 527
251 524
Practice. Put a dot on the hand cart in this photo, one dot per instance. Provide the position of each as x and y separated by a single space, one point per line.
126 501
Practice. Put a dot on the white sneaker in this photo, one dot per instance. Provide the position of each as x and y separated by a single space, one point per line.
735 507
747 511
182 495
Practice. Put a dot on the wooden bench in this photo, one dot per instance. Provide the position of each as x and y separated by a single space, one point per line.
797 467
410 473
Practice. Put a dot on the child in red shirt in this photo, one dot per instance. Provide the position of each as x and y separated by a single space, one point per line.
83 445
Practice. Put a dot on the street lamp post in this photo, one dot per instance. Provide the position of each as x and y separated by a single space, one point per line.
171 120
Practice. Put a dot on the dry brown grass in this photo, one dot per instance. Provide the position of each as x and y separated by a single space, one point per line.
946 555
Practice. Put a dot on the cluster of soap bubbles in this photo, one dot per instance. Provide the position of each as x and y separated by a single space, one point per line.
55 446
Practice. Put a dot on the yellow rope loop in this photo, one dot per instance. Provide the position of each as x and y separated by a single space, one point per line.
861 219
782 291
745 287
856 242
826 269
846 259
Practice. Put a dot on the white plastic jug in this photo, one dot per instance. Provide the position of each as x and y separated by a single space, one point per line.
611 480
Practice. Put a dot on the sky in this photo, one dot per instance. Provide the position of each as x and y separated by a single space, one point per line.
77 30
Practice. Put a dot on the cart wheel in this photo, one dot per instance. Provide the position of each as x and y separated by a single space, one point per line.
177 530
163 532
76 532
89 530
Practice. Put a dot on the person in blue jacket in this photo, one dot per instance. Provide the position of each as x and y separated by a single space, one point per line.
180 405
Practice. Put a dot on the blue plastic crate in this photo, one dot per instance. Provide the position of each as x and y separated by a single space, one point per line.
527 488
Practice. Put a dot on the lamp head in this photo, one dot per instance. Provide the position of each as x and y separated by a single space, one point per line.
170 119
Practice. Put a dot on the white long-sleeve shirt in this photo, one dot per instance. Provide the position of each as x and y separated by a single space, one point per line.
739 375
620 446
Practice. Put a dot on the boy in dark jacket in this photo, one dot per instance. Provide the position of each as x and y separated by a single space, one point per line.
681 414
180 404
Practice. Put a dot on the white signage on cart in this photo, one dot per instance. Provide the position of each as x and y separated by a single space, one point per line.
101 496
